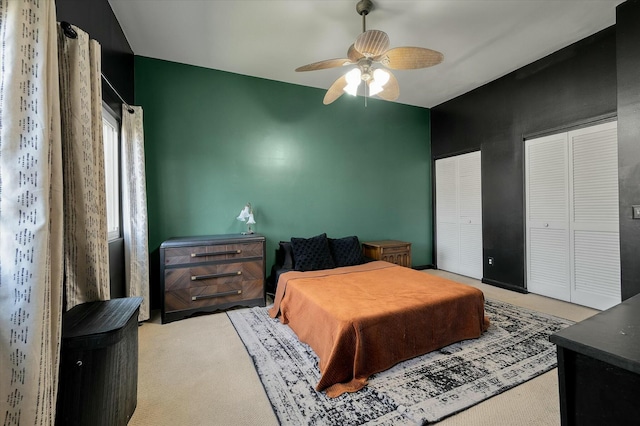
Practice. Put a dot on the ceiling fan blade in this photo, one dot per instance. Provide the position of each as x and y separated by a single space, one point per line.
322 65
335 91
372 43
391 90
409 58
354 55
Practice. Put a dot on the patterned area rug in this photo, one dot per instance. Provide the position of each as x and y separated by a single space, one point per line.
422 390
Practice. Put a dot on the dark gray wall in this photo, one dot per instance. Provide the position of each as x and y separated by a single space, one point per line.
595 77
628 67
569 87
96 18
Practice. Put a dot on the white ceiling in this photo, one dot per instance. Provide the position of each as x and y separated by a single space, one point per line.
480 39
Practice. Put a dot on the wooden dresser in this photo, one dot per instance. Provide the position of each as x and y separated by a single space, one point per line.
398 252
210 273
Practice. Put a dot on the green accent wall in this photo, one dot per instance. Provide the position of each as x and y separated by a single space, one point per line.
216 140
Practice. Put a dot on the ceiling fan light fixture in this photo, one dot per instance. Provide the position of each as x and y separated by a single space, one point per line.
370 50
380 78
353 78
351 89
374 88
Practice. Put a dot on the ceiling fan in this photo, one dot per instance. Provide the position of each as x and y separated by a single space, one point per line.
371 55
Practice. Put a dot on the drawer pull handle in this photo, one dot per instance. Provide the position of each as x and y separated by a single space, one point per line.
206 277
218 253
213 296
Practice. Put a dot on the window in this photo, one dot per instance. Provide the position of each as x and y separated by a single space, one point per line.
111 136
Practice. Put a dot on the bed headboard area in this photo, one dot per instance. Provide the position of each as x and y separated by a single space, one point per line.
315 253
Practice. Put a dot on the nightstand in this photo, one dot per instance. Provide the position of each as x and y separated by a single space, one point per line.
398 252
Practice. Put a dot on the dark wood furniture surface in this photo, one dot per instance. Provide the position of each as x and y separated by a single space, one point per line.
393 251
599 367
210 273
99 363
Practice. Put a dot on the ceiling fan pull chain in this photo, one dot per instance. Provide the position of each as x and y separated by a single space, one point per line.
366 92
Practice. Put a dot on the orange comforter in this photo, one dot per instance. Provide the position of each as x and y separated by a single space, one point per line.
363 319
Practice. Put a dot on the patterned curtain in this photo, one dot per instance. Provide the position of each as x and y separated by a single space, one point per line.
134 208
86 249
31 216
53 237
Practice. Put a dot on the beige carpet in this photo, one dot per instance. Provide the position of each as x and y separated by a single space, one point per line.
197 372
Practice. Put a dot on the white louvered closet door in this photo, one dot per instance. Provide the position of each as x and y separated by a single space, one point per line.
447 233
573 249
470 214
547 221
595 242
459 215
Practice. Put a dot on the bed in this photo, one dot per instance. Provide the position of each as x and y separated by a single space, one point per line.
366 316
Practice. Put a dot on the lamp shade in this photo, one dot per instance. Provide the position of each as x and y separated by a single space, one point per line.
244 214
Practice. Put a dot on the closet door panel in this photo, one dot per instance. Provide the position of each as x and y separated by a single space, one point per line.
547 185
594 216
470 214
447 239
549 268
447 190
459 214
470 262
548 259
596 269
448 249
470 186
595 176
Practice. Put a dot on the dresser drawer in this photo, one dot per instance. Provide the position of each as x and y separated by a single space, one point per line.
395 249
210 253
223 293
211 295
204 275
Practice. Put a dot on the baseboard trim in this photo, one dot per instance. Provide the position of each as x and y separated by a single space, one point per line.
421 267
505 285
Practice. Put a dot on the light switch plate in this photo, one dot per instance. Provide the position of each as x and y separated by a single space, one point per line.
636 212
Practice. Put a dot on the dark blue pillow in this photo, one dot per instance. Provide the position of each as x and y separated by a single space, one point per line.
346 251
311 254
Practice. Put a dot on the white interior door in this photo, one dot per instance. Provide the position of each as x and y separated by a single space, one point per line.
547 220
470 214
447 223
595 242
459 214
572 231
